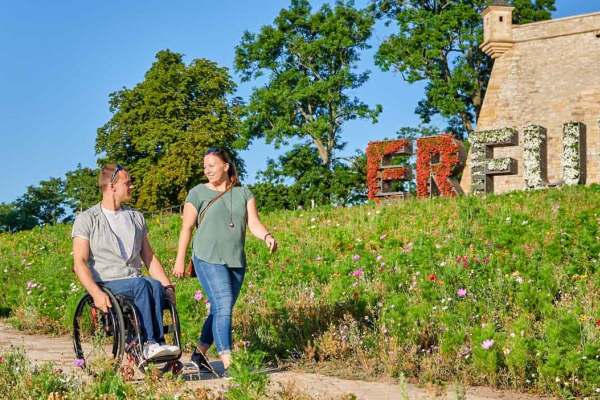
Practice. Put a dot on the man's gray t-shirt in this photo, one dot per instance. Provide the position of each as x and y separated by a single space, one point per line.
121 224
106 261
215 241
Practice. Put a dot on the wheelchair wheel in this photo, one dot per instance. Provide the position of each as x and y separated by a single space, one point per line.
98 337
133 344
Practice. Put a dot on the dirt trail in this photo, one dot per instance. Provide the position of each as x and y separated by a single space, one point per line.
59 350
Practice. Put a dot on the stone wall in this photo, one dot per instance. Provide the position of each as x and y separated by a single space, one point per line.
550 76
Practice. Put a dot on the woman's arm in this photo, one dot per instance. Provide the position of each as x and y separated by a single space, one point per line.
257 228
185 235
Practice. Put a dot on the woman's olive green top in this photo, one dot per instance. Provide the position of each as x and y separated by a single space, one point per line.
215 241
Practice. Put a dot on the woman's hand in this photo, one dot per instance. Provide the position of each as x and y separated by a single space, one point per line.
271 243
179 269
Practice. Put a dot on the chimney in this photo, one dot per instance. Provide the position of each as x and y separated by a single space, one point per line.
497 28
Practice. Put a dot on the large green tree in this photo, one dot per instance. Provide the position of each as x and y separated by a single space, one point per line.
162 126
308 62
438 42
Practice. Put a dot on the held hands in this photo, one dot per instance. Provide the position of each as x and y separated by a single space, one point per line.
271 243
179 269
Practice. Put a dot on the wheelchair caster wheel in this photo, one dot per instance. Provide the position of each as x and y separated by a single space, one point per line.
143 366
175 367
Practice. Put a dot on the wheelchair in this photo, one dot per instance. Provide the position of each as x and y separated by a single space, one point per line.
100 336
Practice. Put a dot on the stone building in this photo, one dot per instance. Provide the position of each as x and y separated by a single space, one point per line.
546 74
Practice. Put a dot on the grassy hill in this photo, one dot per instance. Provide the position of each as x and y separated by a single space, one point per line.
503 290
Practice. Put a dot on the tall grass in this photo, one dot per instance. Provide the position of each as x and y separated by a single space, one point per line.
502 290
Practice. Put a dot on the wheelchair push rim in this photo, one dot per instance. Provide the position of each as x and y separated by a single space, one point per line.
98 337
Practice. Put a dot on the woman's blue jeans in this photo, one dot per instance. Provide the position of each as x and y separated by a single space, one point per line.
222 286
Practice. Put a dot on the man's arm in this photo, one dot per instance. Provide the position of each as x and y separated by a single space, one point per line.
81 253
153 263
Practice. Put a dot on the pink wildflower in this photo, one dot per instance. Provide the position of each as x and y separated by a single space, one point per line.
461 292
487 344
463 260
79 363
379 257
355 257
358 273
198 295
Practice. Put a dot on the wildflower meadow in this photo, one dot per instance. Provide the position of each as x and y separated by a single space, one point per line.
498 290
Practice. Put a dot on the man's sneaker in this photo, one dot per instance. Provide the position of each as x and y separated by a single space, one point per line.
200 360
155 350
174 350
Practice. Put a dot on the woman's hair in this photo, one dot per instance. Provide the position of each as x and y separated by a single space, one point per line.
224 156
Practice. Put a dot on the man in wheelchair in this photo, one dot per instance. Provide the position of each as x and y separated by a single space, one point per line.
110 242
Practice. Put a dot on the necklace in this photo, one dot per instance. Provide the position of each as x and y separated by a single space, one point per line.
231 224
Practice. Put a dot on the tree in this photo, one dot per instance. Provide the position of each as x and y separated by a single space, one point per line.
13 220
81 188
304 181
272 196
438 42
161 128
42 204
308 59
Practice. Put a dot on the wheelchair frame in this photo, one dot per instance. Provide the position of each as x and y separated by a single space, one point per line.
122 323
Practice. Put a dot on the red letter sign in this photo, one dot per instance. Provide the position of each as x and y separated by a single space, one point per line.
439 161
381 173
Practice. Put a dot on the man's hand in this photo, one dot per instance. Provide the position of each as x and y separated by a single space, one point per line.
179 269
170 294
102 301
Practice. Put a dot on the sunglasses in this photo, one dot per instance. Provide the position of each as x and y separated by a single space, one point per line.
113 177
212 150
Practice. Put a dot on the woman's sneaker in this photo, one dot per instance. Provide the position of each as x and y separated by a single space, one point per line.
225 375
200 360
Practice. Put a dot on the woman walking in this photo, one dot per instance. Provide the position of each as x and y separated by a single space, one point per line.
220 210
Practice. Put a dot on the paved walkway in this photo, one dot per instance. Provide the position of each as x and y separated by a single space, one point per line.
59 350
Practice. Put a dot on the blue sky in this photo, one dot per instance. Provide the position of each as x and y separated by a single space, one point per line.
61 59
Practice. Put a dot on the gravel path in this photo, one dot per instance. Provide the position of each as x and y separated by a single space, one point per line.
59 350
